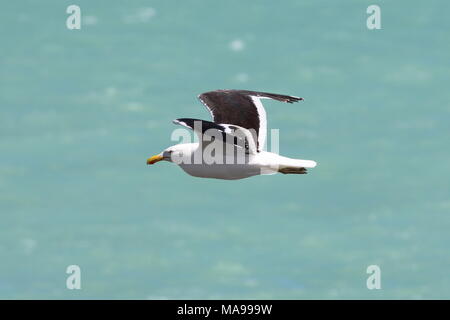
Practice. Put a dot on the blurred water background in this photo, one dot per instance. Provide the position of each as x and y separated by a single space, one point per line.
81 110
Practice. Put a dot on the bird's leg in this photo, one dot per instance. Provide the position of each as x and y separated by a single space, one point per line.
292 170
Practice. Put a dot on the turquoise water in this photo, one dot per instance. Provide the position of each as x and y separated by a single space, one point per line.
82 110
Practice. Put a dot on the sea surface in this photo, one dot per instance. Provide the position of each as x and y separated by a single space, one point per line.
82 110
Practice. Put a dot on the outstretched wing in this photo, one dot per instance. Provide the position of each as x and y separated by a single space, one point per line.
242 108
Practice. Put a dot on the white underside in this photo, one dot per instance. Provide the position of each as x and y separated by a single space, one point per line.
262 163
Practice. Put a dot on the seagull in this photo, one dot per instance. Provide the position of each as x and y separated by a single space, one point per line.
231 147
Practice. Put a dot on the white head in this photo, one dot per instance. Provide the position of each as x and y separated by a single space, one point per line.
174 153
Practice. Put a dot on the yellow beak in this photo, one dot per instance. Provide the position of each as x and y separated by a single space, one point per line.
155 159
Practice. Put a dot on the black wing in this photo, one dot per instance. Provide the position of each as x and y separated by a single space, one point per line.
238 107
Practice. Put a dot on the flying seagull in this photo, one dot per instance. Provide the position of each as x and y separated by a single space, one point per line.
232 146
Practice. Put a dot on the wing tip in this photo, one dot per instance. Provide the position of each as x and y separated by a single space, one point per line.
292 99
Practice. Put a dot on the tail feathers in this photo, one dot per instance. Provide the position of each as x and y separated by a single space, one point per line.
298 163
308 163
